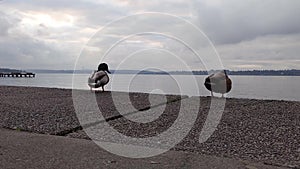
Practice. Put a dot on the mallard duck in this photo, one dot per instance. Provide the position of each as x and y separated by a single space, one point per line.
99 78
218 82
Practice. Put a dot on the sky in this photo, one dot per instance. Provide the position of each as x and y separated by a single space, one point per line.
66 34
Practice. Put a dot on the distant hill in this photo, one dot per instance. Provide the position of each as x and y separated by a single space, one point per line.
243 73
7 70
292 72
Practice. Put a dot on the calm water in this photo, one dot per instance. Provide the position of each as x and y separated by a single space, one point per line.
259 87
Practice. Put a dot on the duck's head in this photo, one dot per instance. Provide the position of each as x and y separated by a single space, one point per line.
103 67
225 72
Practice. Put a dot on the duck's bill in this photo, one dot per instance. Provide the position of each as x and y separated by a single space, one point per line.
108 72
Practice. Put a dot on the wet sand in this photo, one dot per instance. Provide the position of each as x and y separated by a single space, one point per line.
266 131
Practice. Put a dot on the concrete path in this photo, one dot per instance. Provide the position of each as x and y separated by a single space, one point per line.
20 150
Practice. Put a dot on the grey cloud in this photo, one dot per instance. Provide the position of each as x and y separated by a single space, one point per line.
234 21
19 49
30 53
90 13
6 23
280 51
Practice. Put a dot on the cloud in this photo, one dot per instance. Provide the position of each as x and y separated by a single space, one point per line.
248 34
265 52
233 21
4 24
23 52
39 40
89 13
49 34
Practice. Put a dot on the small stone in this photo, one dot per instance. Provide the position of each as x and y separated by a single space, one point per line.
154 162
112 162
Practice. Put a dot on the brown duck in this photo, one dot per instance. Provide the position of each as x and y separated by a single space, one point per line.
218 82
99 78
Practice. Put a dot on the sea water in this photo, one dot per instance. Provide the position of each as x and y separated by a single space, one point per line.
256 87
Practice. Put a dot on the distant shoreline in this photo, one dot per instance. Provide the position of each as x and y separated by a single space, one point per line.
174 74
238 73
291 72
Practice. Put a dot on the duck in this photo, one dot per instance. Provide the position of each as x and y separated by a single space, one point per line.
218 82
99 78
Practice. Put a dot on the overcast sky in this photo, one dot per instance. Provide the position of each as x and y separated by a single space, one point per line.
50 34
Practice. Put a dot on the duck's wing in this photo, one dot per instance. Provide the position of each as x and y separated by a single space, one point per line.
210 83
218 76
91 79
97 79
99 75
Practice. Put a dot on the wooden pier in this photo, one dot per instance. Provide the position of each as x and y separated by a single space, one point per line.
17 74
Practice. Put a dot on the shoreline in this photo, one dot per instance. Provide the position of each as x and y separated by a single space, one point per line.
266 131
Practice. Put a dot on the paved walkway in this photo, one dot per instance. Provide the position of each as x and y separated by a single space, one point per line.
20 150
